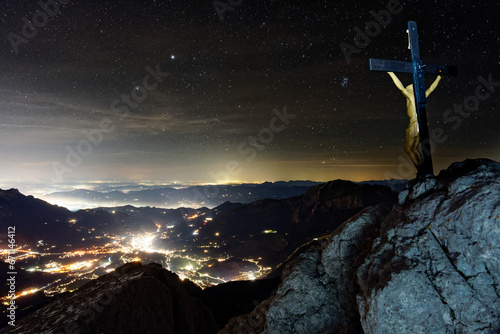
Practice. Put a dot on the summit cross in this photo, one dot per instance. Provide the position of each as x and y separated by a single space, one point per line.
418 69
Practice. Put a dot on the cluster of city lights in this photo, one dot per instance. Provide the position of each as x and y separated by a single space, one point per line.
130 247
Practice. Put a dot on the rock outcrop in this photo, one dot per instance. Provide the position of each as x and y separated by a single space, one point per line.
132 299
436 267
428 265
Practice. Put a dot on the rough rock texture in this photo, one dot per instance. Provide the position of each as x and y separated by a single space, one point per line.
436 268
430 265
318 289
132 299
253 322
318 295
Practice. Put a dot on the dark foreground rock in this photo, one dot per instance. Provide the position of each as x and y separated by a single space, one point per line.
430 265
239 297
133 299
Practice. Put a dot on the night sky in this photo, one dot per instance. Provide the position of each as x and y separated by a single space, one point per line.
220 82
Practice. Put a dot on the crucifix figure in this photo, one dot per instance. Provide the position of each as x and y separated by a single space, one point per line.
417 135
412 139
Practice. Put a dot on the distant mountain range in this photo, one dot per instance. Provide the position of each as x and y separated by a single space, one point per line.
169 197
64 229
272 229
193 197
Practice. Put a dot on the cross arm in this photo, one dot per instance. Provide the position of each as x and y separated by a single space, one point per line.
384 65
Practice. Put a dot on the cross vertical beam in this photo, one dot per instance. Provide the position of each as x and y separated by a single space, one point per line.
418 70
425 167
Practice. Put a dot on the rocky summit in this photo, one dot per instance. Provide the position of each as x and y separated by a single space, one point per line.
427 265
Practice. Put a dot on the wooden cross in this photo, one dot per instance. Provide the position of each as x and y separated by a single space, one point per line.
418 69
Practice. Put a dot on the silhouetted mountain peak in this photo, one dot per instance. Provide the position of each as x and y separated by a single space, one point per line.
13 192
228 206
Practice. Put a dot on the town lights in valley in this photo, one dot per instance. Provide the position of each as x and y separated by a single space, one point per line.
143 242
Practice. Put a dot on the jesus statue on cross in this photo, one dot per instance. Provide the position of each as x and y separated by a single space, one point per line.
417 142
412 139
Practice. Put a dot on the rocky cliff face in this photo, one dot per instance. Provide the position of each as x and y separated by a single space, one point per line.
132 299
428 265
442 249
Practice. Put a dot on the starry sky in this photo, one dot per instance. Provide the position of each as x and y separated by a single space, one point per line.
258 91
